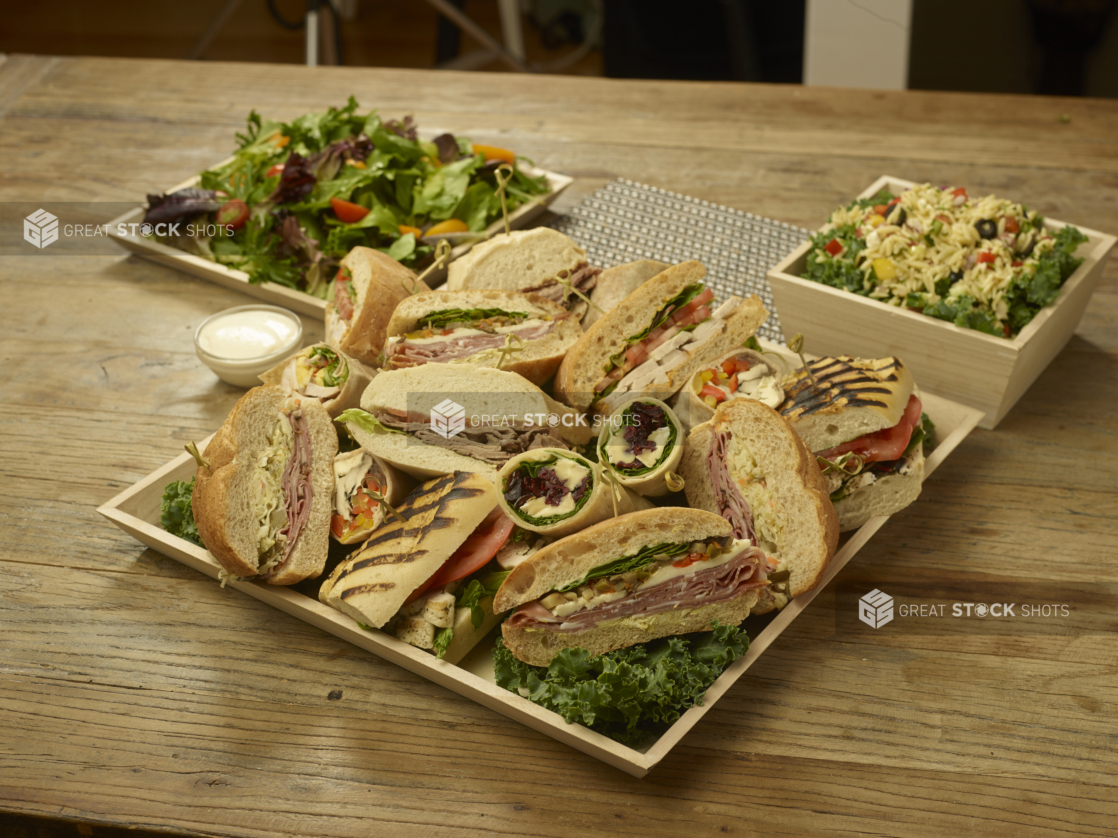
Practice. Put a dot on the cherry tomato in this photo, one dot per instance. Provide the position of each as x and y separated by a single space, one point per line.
415 231
347 212
233 214
1011 225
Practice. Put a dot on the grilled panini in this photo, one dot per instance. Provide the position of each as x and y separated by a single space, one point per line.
863 418
402 579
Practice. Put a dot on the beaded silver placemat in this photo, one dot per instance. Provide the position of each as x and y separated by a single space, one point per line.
625 220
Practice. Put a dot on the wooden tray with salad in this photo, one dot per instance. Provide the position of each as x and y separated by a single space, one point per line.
274 219
140 509
976 294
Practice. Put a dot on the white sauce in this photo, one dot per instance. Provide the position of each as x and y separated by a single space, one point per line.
243 335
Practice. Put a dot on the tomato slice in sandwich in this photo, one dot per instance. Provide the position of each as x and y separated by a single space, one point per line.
474 553
883 445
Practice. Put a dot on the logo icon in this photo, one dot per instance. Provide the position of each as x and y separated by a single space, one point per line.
875 609
448 419
40 228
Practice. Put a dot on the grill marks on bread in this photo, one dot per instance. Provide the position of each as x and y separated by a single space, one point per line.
843 382
427 510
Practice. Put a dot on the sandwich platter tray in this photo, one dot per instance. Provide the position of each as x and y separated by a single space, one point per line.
137 511
987 372
289 298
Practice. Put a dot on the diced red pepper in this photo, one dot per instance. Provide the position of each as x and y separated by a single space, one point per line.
880 209
710 390
986 258
689 559
1011 225
834 247
729 366
1016 264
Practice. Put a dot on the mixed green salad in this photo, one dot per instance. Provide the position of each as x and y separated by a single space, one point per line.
298 196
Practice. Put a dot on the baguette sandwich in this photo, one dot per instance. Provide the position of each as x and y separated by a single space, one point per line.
367 290
263 494
654 341
522 333
541 260
632 579
426 579
748 465
433 420
320 372
862 418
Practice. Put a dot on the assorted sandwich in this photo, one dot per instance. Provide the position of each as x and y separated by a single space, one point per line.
556 492
263 492
740 374
367 289
641 444
436 419
542 260
655 341
863 420
509 330
616 283
748 465
423 577
628 580
323 373
532 508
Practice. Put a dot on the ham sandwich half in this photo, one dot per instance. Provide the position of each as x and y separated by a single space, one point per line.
648 574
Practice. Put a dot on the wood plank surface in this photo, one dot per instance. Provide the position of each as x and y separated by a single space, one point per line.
135 693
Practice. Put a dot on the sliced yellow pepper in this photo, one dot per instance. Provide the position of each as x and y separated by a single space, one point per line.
876 220
885 269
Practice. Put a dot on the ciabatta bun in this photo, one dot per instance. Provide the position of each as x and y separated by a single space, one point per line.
484 392
380 283
584 366
374 581
536 360
801 521
569 559
616 283
887 495
852 397
522 259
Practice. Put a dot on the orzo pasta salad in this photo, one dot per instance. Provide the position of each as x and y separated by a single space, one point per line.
987 263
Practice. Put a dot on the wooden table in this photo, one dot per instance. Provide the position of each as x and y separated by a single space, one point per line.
134 692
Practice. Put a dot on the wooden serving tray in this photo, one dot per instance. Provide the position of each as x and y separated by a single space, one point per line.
288 297
137 510
984 371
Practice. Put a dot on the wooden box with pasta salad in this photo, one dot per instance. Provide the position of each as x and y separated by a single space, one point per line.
977 294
